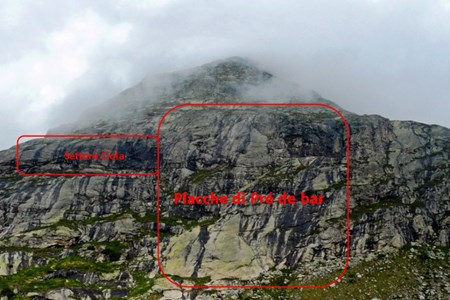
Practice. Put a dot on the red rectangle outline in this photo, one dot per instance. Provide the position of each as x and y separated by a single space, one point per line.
347 196
147 136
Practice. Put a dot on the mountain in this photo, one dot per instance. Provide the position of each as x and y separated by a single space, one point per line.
96 237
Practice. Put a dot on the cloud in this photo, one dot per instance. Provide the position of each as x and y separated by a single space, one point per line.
42 78
385 57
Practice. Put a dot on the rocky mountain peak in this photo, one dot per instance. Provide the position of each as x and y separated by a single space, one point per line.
235 69
221 80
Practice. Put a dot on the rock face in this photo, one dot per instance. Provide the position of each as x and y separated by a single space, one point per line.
100 232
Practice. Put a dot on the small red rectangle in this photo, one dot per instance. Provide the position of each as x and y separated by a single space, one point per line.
86 136
347 195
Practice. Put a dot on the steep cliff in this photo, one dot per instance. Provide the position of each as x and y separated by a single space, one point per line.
96 236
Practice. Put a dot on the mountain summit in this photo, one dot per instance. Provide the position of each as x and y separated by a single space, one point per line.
219 81
228 80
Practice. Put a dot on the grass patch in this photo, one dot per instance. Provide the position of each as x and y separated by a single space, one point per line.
177 221
74 224
143 284
37 252
429 184
12 177
31 279
278 175
335 186
113 250
196 280
200 176
101 219
384 203
60 223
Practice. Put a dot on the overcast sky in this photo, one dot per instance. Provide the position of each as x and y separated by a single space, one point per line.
370 56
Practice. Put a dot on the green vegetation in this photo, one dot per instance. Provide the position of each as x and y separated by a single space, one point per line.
143 284
388 277
199 176
32 279
177 220
384 203
74 224
37 252
143 230
320 116
278 175
39 181
189 223
113 250
12 177
335 186
429 184
60 223
198 281
104 219
5 291
202 223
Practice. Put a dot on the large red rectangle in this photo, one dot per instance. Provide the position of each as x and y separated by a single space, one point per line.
347 194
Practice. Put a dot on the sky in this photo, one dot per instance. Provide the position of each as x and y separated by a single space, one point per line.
60 58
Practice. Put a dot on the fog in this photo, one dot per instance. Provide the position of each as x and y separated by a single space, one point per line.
62 58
